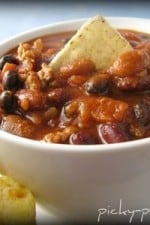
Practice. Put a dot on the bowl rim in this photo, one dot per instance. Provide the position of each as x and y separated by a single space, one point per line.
68 22
37 145
56 147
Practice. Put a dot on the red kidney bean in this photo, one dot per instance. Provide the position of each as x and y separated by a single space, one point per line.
82 138
111 133
142 112
57 96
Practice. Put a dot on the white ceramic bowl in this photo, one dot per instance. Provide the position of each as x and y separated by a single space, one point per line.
75 181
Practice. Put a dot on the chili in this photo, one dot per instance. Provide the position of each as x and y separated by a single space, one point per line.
78 105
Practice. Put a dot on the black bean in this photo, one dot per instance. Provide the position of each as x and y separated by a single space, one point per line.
111 133
8 101
82 138
7 59
98 84
11 80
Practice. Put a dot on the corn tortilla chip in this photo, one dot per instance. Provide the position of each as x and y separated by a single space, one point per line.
95 40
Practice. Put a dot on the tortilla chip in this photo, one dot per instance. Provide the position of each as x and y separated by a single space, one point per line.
95 40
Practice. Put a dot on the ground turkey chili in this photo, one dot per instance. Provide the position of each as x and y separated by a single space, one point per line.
79 105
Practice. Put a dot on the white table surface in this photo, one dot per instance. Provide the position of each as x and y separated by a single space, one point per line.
19 16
